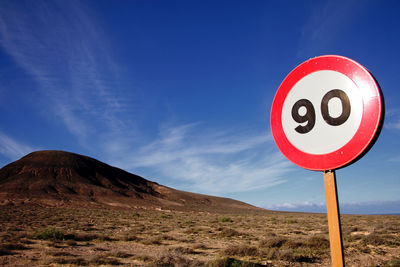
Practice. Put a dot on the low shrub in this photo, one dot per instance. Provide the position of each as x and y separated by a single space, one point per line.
300 250
59 253
199 246
131 237
231 262
144 258
292 244
122 255
152 241
167 237
240 250
71 243
10 246
171 259
380 239
317 242
182 250
26 241
104 260
228 232
291 255
225 219
393 263
4 252
273 242
50 234
87 237
74 261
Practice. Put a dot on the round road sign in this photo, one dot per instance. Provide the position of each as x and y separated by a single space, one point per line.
326 113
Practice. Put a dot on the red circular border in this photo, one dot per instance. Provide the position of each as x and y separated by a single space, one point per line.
370 121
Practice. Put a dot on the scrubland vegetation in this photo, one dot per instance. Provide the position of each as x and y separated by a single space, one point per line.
43 236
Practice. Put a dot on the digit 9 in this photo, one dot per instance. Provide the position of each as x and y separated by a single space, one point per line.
308 117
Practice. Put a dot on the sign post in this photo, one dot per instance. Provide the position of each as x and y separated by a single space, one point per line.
332 206
325 115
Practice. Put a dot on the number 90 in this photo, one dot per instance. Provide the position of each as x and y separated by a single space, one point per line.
309 116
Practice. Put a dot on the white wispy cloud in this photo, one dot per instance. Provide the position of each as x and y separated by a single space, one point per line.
62 47
393 125
13 149
306 206
392 120
325 25
215 162
394 159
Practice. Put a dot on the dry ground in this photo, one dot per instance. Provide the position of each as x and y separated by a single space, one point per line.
37 236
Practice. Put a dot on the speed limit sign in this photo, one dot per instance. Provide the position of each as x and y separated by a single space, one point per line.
326 113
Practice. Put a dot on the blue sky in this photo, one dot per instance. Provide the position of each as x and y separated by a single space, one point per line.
180 92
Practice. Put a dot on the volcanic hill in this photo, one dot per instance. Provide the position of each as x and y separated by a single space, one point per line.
60 178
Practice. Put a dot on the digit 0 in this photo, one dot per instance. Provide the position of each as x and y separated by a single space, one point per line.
309 116
345 107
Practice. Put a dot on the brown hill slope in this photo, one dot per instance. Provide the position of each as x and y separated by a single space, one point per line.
64 178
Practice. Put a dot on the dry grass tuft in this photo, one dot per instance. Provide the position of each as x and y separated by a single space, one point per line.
174 259
273 242
232 262
240 250
376 239
229 232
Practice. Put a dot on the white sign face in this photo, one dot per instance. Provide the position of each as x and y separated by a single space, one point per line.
304 124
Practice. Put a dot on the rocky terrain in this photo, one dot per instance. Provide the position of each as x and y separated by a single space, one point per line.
57 178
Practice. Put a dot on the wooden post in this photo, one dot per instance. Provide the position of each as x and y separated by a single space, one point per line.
335 232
